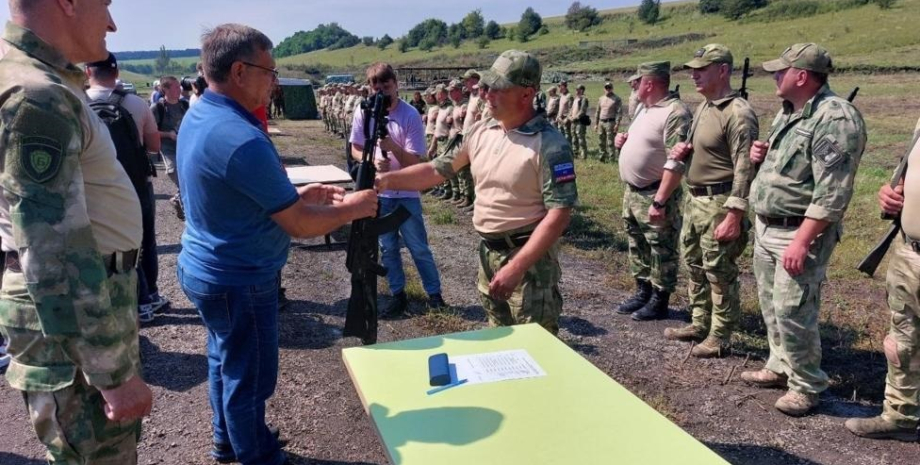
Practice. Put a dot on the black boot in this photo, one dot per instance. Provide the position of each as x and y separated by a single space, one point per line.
655 309
396 307
642 296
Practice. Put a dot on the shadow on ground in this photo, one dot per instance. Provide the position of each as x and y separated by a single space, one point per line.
756 455
177 372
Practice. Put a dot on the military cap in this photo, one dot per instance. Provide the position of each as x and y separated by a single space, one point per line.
514 68
454 84
471 73
439 88
712 53
109 63
564 83
808 56
608 85
654 68
634 77
551 89
580 87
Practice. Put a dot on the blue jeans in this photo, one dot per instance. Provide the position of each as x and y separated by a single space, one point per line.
242 325
416 239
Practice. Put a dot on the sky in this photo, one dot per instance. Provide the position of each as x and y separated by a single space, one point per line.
178 24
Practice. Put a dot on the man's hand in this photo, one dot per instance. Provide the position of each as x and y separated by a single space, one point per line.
794 258
505 282
680 151
130 401
730 227
321 194
620 140
361 204
655 215
172 135
387 145
891 200
759 151
382 164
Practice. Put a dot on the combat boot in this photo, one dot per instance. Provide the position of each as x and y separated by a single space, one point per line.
642 296
396 307
655 309
446 195
712 347
467 201
686 333
764 378
796 404
880 428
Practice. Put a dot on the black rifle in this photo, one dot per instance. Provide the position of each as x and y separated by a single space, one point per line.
852 95
363 251
745 74
869 264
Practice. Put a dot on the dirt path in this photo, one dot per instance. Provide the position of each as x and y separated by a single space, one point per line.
316 407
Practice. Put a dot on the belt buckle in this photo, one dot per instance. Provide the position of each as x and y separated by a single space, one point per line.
915 245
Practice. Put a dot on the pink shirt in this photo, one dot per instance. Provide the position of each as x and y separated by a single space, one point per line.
405 128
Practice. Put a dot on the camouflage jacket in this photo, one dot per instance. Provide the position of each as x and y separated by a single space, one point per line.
812 161
63 293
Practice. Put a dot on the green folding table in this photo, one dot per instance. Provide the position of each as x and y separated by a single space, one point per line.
575 415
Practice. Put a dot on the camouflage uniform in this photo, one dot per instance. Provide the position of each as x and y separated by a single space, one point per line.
552 107
808 172
70 320
562 120
607 120
579 128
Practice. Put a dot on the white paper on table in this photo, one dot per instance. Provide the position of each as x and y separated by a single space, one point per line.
495 366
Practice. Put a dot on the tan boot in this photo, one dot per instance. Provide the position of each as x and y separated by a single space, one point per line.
686 333
796 404
712 347
764 378
880 428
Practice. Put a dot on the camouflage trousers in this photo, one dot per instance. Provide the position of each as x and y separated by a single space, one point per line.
790 304
536 300
607 133
565 128
579 140
714 292
653 254
902 345
464 183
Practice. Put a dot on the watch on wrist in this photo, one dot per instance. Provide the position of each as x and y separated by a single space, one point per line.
658 205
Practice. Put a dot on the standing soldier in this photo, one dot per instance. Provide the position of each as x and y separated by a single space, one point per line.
652 220
442 130
715 225
607 120
578 116
458 184
565 106
348 110
800 195
634 102
472 116
901 410
552 105
431 115
525 182
70 224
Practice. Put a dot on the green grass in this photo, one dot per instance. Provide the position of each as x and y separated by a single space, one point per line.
184 61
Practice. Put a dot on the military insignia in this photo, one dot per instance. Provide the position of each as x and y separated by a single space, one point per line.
563 173
40 158
829 152
699 53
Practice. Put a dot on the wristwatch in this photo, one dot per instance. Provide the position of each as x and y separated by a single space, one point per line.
658 205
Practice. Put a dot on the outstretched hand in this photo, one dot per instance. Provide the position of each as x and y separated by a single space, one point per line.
321 194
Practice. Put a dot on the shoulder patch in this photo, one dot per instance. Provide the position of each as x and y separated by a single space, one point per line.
829 152
563 172
40 157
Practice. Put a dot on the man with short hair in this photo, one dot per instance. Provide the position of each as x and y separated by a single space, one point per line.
525 190
565 107
715 225
607 120
442 129
578 116
241 212
652 220
102 76
800 194
168 112
403 147
70 224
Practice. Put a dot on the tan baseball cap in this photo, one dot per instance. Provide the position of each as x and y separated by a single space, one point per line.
634 77
440 87
810 56
454 84
654 68
608 85
712 53
471 73
514 68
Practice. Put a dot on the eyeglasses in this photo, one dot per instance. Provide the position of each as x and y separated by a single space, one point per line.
274 71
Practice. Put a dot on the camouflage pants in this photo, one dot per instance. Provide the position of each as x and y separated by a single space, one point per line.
902 345
536 300
579 140
715 299
465 179
790 304
565 128
607 135
653 252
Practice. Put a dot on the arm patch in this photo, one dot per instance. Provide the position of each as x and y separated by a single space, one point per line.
40 157
563 173
829 152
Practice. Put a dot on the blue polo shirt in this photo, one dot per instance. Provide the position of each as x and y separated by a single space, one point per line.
232 182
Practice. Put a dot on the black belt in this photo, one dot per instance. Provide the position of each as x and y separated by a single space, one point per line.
506 243
608 120
710 190
652 186
914 245
115 263
786 222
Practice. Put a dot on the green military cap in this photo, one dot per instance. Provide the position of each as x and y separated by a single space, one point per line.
634 77
454 84
580 87
552 89
608 85
810 56
654 68
470 73
440 87
712 53
513 68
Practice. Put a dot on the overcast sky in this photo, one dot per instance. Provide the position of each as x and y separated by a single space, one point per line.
145 25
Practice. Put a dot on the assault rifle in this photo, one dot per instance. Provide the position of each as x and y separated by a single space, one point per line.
869 264
363 252
745 74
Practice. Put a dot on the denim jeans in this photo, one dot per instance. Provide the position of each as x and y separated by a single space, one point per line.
242 326
416 239
148 270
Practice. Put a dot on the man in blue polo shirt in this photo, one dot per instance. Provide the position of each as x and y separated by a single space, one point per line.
241 210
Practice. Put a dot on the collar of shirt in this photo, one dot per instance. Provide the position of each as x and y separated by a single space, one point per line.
722 101
224 101
670 98
31 44
536 124
809 108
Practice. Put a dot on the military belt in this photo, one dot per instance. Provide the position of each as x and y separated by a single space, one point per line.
786 221
507 243
914 245
608 120
650 187
710 190
115 262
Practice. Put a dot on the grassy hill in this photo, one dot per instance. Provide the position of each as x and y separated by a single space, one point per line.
858 37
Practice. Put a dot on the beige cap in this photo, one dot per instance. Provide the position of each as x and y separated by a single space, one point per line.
712 53
810 56
514 68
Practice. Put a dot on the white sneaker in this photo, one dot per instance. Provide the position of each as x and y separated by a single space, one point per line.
158 302
145 313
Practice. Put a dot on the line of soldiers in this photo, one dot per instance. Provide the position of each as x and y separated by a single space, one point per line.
337 105
570 114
